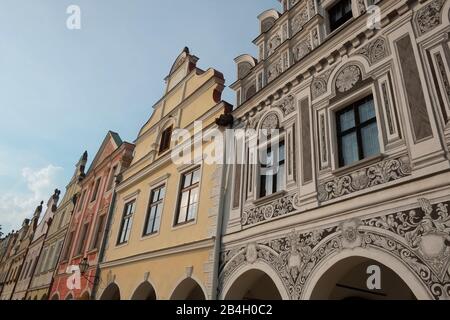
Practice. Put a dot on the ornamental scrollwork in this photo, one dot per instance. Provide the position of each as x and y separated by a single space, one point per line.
375 51
274 209
302 49
299 20
420 238
270 122
320 84
429 17
275 69
377 174
287 105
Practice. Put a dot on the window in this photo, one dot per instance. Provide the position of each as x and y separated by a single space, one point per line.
69 245
154 211
61 219
188 203
47 265
80 205
24 271
94 194
166 136
57 253
272 171
82 239
340 13
127 220
111 178
98 232
357 132
33 268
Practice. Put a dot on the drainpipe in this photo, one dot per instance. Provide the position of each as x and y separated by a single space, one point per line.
225 121
218 239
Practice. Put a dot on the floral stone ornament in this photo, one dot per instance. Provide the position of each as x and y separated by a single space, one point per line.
347 78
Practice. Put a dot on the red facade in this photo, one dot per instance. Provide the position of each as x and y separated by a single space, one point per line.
84 238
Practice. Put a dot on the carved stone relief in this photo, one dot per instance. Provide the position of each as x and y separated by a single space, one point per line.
320 84
299 20
287 105
274 209
375 51
347 78
271 122
377 174
302 49
420 238
274 43
429 17
275 69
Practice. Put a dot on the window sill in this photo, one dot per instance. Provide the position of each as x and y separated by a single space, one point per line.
92 251
121 245
358 165
184 224
150 235
338 29
268 198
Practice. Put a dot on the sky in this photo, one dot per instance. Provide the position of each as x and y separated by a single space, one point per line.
61 90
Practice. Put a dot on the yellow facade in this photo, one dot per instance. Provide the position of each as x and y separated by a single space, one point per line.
177 261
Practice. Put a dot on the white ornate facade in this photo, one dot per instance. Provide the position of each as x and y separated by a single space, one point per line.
315 238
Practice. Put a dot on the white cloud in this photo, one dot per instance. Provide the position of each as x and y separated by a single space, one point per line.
15 207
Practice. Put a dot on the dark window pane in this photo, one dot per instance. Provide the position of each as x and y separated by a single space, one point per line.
195 176
347 120
349 149
366 111
369 136
162 193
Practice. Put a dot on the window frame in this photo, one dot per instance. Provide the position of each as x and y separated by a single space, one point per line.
111 177
165 139
152 204
182 190
332 27
355 105
268 146
95 190
82 240
98 234
126 217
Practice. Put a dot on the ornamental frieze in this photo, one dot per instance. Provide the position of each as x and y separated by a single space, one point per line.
429 17
420 238
374 175
274 209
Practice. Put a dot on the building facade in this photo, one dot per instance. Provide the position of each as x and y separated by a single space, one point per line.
54 241
163 241
360 98
7 246
30 262
15 262
88 223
